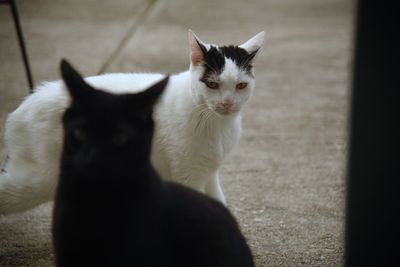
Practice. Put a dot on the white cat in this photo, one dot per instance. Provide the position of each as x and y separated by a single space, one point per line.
197 124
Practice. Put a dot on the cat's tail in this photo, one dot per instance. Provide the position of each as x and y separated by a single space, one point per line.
18 197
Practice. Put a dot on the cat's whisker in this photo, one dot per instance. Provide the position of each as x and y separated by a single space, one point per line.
200 109
200 120
203 116
209 115
201 105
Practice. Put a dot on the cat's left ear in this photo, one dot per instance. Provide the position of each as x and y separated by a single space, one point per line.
197 49
254 44
76 85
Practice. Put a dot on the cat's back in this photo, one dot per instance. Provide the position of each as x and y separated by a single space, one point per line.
120 83
50 99
38 102
38 116
202 230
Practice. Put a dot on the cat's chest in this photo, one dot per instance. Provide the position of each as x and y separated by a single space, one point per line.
213 145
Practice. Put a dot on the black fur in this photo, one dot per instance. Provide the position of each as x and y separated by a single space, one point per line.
112 209
214 59
240 56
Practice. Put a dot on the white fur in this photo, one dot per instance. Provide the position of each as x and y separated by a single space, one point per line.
254 43
190 142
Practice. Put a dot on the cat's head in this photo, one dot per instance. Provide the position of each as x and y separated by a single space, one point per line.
223 76
104 130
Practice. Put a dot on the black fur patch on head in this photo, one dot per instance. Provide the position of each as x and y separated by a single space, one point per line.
214 60
240 56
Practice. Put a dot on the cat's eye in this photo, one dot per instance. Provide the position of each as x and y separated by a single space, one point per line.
120 139
241 86
80 135
212 85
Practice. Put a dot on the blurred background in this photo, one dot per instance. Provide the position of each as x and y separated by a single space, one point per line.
285 182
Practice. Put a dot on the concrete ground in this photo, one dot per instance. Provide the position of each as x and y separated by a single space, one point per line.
285 182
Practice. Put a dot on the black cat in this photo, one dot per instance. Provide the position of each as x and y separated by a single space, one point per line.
112 209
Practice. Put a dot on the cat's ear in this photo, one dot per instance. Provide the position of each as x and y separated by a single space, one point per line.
76 85
197 49
149 96
254 44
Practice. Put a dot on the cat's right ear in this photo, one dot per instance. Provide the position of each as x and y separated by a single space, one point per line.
151 94
76 85
253 45
197 49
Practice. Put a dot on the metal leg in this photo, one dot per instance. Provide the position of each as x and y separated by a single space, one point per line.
21 41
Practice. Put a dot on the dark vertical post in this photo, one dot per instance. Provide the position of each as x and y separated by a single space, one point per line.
21 42
372 227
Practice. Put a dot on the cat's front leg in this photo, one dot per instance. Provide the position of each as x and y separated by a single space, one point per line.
213 188
206 183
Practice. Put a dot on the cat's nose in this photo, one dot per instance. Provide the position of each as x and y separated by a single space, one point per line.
227 104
